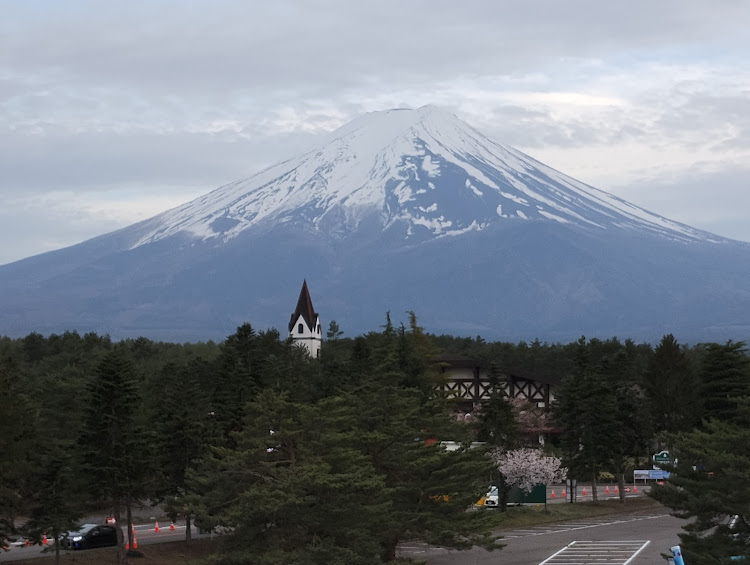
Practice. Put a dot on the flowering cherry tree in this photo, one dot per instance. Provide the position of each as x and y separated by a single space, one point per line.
527 467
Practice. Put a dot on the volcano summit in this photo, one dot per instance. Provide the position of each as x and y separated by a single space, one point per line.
397 210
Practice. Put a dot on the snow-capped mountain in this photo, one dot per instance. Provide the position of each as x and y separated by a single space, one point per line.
423 169
397 210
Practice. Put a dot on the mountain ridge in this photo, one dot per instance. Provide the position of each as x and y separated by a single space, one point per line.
397 210
366 165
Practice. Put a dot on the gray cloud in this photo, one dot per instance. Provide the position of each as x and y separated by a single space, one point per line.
307 48
716 201
101 161
170 97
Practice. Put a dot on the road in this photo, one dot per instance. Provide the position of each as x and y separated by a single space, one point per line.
144 534
625 539
524 546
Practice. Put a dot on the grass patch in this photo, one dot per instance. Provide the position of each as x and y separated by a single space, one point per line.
531 515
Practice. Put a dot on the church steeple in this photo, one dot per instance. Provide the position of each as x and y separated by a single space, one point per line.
304 325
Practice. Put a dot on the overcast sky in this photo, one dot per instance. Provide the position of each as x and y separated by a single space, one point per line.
111 112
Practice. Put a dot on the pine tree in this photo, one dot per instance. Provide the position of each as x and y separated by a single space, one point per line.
630 435
671 388
334 331
115 451
182 422
56 502
429 488
236 378
243 370
296 489
586 411
725 378
711 485
397 411
18 442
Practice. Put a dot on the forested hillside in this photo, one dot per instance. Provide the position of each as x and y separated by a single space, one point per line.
333 460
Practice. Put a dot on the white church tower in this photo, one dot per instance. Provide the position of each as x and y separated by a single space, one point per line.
304 327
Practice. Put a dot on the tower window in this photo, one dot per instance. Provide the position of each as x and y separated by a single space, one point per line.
300 328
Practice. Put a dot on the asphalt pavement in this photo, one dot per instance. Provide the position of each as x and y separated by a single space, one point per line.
623 539
145 534
547 539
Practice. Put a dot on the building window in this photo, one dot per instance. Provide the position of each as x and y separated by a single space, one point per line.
300 328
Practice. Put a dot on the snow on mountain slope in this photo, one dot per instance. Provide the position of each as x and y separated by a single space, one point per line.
409 210
425 170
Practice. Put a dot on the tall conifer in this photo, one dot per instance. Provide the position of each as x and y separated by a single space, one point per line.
725 376
115 450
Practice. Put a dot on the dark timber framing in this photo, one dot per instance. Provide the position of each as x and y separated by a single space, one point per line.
466 381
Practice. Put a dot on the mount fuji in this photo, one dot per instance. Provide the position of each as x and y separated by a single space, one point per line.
397 210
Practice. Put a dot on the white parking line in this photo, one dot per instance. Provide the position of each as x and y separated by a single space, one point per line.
600 552
556 528
637 552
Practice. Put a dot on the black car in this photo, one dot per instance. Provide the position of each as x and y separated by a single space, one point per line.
92 535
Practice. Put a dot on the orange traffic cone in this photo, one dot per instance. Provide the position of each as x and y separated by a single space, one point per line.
127 546
553 494
584 491
171 526
617 489
563 493
635 488
45 541
156 526
607 489
135 542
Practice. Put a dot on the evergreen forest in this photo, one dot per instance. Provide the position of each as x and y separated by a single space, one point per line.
339 459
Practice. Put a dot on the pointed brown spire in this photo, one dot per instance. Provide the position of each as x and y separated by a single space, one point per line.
304 309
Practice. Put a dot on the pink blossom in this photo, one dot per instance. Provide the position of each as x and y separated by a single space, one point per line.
528 467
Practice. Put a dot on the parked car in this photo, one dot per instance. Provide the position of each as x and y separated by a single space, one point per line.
91 535
9 543
491 498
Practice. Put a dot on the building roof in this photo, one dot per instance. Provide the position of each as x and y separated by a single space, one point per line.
304 309
461 362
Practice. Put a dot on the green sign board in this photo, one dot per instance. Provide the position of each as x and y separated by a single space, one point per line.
538 494
662 457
